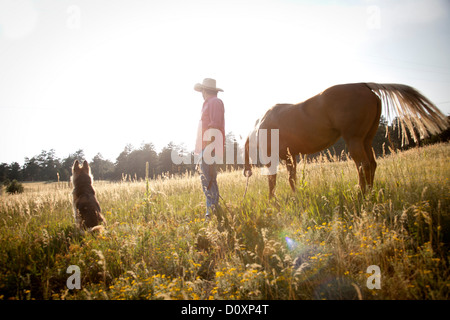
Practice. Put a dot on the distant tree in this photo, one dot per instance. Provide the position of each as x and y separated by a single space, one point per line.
395 134
101 169
444 136
148 154
15 171
4 170
65 171
165 159
49 165
122 162
132 162
31 169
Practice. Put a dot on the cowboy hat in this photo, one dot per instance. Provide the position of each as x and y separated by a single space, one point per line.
208 84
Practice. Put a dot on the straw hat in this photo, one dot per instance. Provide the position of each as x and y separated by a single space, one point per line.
208 84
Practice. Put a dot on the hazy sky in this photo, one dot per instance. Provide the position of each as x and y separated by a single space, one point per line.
98 74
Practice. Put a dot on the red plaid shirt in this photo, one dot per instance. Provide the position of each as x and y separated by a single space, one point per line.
213 116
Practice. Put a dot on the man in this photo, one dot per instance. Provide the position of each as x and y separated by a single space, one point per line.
210 141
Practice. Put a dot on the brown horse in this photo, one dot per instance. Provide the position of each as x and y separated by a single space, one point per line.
351 111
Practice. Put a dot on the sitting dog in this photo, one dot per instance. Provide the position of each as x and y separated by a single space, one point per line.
86 209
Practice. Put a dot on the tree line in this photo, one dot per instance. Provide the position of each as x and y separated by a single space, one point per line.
131 162
129 165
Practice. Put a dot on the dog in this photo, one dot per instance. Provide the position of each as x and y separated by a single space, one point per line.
86 209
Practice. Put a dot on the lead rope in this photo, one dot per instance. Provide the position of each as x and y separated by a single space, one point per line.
245 193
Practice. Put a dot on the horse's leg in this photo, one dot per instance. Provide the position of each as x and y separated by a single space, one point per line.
372 163
368 146
358 154
272 183
291 166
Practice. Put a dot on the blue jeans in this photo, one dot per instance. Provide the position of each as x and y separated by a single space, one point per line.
208 177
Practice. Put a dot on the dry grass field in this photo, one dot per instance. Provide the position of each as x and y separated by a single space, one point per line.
315 244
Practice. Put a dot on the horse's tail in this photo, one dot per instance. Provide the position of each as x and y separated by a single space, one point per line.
413 110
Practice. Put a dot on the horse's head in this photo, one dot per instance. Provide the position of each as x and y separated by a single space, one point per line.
252 136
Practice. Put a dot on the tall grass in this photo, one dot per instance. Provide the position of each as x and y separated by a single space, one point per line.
314 244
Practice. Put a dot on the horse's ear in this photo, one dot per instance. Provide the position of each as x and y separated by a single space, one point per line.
76 165
85 166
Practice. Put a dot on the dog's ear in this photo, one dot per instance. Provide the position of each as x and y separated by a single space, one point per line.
85 166
76 165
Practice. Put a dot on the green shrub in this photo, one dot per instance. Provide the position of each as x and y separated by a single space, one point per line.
14 187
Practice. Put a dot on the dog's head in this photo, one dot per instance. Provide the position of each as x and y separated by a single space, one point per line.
81 173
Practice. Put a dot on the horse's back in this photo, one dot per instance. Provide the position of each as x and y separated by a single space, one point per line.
352 108
316 123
